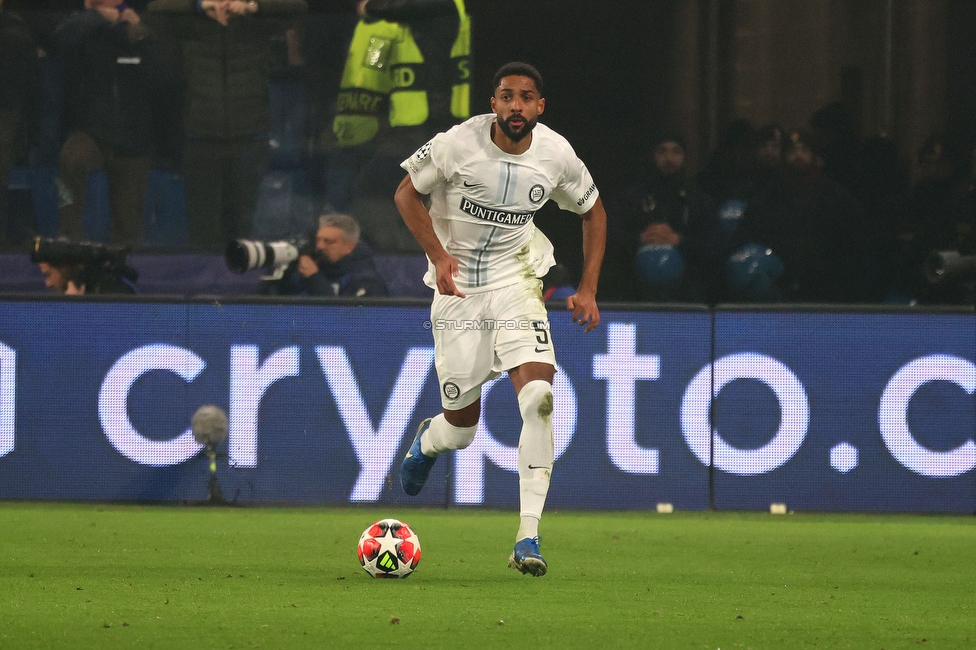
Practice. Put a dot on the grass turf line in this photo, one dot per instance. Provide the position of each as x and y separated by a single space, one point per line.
97 576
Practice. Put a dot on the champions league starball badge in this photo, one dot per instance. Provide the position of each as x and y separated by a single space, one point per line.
422 153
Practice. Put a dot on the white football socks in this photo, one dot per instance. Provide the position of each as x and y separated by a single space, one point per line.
443 436
536 454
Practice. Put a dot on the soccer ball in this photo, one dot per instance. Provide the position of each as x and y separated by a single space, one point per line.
389 549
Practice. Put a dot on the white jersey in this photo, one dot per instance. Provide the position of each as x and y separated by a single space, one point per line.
483 200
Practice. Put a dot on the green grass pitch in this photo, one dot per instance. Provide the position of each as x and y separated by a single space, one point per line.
113 576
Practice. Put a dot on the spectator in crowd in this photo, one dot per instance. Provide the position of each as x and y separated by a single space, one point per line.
317 48
804 218
407 77
339 265
770 141
47 122
881 194
110 74
729 173
839 145
227 56
955 230
19 94
935 183
663 230
730 176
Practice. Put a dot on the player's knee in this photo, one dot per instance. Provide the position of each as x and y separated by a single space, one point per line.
535 400
464 436
466 415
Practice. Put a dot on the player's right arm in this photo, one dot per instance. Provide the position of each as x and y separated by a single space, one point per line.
410 202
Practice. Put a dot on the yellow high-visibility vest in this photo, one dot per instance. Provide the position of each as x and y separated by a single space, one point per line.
384 62
366 82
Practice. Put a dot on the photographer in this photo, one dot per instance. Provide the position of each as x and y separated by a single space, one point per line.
83 268
338 265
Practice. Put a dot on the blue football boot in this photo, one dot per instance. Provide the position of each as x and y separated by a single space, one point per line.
526 557
416 466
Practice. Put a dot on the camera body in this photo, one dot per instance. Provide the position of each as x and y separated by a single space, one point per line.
97 267
243 255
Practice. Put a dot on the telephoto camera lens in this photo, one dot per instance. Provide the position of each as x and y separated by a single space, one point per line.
243 255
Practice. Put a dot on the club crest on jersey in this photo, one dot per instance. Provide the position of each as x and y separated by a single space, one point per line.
451 390
495 216
536 193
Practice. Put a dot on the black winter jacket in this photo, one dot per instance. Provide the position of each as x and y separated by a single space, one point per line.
110 80
227 68
19 77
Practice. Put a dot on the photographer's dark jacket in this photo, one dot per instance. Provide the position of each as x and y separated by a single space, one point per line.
227 68
111 78
354 276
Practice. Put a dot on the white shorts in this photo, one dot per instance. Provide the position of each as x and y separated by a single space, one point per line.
479 337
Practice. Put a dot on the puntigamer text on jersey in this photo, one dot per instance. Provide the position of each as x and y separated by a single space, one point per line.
497 216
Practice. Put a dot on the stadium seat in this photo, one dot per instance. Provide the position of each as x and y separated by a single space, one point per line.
33 202
404 275
20 207
285 207
98 207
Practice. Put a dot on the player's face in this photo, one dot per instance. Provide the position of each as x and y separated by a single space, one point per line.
517 105
332 243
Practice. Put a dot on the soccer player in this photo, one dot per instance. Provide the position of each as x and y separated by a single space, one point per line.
486 179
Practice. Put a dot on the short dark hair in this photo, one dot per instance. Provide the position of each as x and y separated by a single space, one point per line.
519 69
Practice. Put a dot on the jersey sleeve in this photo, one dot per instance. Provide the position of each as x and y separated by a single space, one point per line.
428 165
576 191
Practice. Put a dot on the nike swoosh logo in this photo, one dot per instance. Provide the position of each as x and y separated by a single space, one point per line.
542 349
538 467
467 184
409 455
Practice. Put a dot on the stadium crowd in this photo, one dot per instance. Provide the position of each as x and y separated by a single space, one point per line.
254 118
808 215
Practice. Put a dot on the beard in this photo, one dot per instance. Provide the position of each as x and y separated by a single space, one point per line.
511 133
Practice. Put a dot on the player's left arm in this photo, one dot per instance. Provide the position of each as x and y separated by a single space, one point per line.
583 302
